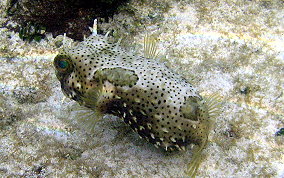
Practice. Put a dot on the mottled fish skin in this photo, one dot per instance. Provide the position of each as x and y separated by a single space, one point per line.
158 104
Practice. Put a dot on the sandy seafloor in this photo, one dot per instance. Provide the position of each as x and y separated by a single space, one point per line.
234 49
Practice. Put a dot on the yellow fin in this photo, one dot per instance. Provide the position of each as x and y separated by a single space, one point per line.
196 159
87 118
150 47
214 104
87 113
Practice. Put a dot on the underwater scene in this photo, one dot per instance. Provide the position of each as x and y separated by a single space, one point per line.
125 88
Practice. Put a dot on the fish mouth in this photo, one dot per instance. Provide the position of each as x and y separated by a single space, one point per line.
70 92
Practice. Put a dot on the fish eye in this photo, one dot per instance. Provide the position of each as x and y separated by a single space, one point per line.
63 63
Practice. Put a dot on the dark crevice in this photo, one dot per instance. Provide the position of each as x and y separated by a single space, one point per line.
72 17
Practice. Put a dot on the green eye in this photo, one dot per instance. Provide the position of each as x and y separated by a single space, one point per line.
63 63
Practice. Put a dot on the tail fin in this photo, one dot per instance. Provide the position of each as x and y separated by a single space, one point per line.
213 103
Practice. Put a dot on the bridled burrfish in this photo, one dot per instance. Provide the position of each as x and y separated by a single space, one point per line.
158 104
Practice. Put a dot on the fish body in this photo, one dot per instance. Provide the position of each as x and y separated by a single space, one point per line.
158 104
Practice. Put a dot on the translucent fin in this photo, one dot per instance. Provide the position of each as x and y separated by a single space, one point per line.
196 160
150 47
87 118
214 104
91 98
88 114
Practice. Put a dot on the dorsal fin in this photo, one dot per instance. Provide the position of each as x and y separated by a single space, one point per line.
150 47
